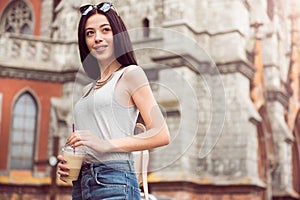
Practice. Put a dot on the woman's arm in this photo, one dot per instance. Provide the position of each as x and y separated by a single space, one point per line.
157 133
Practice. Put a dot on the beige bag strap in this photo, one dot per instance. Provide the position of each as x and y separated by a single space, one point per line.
145 161
142 161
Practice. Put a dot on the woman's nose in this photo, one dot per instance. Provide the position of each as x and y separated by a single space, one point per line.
98 37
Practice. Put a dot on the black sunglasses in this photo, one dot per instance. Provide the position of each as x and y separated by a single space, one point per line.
104 7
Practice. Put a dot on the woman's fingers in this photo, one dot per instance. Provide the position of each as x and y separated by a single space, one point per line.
74 138
61 158
63 179
63 169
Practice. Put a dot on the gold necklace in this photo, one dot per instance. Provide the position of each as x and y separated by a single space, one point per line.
99 83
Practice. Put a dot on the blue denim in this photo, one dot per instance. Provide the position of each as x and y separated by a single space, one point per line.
111 180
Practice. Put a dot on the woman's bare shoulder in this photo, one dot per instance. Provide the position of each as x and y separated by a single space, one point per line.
134 71
135 77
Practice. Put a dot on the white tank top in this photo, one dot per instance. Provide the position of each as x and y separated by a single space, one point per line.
101 114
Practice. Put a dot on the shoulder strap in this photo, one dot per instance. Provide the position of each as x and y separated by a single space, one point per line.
145 161
87 92
141 159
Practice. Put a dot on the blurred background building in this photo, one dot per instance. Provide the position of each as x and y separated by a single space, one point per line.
225 73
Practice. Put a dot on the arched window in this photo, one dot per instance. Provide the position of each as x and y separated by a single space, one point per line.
23 130
17 18
146 24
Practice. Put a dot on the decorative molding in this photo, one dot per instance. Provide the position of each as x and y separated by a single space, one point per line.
185 59
240 66
192 29
281 97
205 67
61 77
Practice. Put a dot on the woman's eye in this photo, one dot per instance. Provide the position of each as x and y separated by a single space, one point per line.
107 29
89 33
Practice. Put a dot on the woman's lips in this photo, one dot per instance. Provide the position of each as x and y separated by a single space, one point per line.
100 49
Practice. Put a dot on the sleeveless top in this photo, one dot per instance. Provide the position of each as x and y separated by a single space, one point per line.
101 114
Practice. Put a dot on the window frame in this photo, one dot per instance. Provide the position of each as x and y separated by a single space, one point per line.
33 134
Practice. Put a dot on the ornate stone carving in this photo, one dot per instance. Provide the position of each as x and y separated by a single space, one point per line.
17 18
61 115
66 20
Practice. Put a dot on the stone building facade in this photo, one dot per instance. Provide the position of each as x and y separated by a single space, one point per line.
225 73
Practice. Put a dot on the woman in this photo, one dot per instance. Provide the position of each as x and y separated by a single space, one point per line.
106 114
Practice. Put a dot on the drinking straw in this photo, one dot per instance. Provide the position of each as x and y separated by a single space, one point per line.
73 130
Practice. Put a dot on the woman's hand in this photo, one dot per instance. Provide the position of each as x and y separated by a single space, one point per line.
63 169
86 138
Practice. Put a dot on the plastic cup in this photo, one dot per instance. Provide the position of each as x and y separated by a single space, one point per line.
74 161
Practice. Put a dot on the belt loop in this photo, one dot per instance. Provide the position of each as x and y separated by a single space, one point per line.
92 169
131 167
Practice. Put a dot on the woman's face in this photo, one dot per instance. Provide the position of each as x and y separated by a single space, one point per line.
99 39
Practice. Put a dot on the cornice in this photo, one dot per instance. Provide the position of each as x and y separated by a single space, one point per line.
199 32
202 67
240 66
280 96
39 75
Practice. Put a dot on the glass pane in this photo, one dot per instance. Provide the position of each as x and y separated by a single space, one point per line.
27 164
17 137
15 164
28 139
10 30
29 125
18 123
26 30
30 110
27 151
16 150
19 110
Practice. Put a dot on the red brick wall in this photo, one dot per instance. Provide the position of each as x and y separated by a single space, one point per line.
43 91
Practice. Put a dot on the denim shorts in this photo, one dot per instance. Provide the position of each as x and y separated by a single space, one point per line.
110 180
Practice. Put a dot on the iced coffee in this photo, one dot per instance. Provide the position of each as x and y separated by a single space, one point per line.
74 159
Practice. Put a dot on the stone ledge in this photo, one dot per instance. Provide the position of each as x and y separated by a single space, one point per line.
204 188
157 177
280 96
286 193
205 67
23 177
39 75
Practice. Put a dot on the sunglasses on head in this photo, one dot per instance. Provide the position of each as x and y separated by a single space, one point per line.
104 7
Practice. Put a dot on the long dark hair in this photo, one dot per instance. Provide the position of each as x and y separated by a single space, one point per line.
122 44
